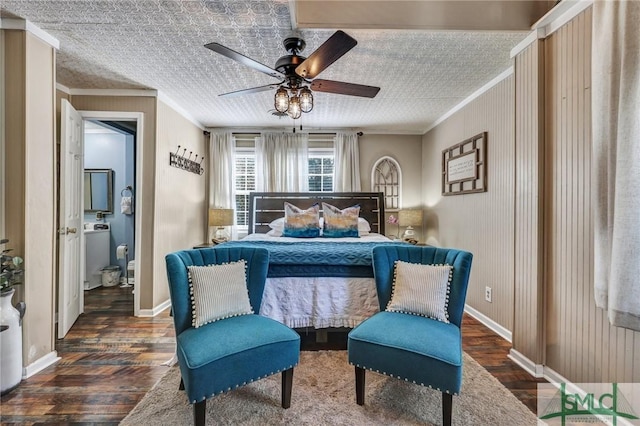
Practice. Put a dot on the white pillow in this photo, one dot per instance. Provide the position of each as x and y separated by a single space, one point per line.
363 226
277 225
218 292
421 290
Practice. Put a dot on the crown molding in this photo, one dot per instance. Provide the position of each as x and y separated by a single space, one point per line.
561 13
170 102
22 25
114 92
504 74
63 88
534 35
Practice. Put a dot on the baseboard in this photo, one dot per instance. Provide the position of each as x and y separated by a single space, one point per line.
489 323
40 364
155 311
536 370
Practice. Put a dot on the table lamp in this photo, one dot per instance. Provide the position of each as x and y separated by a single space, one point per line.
220 218
410 218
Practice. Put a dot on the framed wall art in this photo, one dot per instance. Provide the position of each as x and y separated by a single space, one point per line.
464 166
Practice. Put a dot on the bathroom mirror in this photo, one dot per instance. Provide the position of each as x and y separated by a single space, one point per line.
98 190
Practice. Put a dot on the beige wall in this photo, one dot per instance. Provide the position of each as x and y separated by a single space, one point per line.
30 198
481 223
180 197
406 150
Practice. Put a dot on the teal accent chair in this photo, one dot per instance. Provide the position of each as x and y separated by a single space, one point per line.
409 347
228 353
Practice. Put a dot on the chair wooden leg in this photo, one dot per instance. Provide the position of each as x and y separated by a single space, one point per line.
181 387
199 412
447 406
287 386
360 374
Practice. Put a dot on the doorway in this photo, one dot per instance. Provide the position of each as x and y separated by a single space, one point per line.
109 213
128 122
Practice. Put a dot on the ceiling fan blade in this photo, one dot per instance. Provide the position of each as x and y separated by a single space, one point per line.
341 88
329 52
252 90
244 60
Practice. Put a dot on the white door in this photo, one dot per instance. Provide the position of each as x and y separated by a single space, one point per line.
71 279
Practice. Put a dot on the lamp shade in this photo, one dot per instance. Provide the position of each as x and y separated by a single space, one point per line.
410 217
281 100
294 107
220 217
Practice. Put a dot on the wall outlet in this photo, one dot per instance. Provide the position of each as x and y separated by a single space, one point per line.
487 294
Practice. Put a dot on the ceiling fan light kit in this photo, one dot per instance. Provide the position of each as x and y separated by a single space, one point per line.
293 97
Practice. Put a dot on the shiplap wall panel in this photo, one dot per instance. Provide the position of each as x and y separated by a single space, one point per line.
482 223
581 345
529 224
180 196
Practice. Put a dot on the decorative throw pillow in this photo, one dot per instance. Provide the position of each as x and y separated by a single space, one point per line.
340 223
277 226
218 292
421 290
300 223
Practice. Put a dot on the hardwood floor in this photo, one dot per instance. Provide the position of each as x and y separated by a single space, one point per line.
110 359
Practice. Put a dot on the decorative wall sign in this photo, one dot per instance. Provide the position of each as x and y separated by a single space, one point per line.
464 166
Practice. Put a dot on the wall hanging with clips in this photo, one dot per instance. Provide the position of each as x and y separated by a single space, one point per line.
181 161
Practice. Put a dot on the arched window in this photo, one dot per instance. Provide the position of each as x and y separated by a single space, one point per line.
386 177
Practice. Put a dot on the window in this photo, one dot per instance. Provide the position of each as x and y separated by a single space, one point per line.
320 178
320 170
386 177
245 183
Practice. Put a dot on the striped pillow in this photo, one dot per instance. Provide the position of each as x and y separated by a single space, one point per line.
421 290
218 292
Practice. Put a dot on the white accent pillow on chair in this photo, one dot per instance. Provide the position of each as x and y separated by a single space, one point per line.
218 292
421 290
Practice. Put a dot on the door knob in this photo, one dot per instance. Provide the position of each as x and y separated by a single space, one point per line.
71 230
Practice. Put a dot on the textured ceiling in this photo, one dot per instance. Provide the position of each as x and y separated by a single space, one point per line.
157 44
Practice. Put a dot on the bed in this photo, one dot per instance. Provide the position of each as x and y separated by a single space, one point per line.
317 282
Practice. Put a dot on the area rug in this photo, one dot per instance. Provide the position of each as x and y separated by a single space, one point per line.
324 394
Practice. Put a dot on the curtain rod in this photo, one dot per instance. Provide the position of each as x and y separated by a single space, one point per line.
310 133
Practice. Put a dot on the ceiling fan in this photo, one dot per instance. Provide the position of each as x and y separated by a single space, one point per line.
297 73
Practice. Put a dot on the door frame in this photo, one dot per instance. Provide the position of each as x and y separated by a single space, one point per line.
138 117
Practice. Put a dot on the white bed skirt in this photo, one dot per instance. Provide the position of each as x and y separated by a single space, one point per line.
319 302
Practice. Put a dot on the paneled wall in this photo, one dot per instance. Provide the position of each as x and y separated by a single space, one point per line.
581 345
180 201
482 223
528 335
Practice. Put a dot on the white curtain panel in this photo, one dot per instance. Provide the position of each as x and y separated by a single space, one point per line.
616 159
222 146
347 162
282 162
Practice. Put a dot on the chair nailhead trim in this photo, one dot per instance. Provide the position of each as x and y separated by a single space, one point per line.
405 379
244 383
